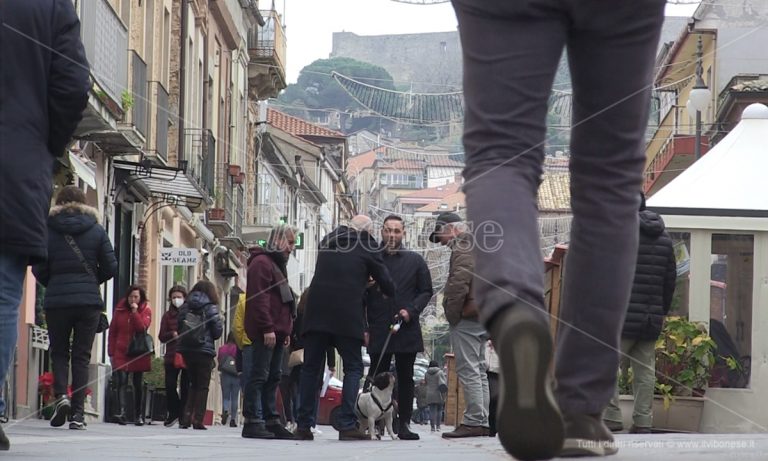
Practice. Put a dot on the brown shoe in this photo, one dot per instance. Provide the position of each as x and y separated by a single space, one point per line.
303 434
353 434
465 431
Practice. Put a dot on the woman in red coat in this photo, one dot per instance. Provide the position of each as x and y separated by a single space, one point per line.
132 315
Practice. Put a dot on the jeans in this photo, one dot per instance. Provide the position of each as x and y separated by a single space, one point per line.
78 324
315 346
435 414
642 355
404 368
263 365
511 53
230 394
468 339
175 401
13 269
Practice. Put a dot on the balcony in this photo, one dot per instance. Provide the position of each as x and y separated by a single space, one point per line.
267 51
675 156
201 159
234 241
135 103
219 218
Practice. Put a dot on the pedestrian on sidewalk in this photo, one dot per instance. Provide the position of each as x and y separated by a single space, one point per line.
176 378
132 315
80 259
651 298
468 336
437 388
269 311
512 51
199 326
230 381
44 83
347 257
413 284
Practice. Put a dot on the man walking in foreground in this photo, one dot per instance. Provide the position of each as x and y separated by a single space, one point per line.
44 83
511 52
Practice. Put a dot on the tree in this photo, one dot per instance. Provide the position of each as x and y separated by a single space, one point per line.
316 89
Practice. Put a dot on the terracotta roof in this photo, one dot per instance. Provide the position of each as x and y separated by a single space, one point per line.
443 161
402 165
448 203
297 126
360 162
554 192
436 193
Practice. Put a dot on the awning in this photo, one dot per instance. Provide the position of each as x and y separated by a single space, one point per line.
83 170
169 184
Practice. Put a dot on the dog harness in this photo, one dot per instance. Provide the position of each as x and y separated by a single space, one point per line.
376 401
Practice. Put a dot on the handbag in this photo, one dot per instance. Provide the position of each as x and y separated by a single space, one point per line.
103 320
228 365
296 358
141 344
178 361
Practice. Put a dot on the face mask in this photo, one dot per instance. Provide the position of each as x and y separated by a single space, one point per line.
178 302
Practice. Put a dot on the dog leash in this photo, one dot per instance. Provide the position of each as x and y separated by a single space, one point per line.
394 328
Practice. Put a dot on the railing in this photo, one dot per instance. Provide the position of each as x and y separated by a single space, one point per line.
224 190
105 39
201 158
269 41
239 209
161 118
139 89
264 215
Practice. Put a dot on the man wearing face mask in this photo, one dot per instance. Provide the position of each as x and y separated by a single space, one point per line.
169 332
413 291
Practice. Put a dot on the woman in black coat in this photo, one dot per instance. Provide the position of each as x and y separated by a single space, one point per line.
80 259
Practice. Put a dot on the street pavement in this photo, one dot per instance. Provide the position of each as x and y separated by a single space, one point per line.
36 440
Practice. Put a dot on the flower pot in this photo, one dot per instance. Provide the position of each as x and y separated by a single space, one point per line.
234 170
216 214
683 415
239 179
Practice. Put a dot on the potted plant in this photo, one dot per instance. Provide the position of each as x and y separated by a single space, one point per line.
47 397
234 170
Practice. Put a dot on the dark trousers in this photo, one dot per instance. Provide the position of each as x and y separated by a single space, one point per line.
176 399
122 390
199 367
493 388
263 367
404 369
79 324
511 52
288 389
315 347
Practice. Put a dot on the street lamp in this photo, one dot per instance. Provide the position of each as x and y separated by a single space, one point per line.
699 98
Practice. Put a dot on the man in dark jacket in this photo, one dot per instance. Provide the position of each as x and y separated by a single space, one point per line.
269 310
652 292
468 336
411 275
43 91
347 257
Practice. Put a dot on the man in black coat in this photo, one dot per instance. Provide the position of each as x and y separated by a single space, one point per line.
334 316
44 82
414 290
652 292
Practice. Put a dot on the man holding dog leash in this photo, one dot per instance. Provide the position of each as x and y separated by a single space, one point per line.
413 284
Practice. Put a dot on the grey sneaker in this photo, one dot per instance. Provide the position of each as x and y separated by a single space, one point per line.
61 412
528 418
77 425
586 435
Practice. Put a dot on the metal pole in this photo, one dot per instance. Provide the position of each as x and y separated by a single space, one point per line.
697 147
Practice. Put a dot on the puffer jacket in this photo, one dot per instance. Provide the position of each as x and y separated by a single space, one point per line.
654 283
434 378
66 279
125 324
168 326
198 302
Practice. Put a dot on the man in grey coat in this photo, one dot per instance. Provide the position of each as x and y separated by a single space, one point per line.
44 83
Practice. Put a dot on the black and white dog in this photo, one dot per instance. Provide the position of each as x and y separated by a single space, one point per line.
376 405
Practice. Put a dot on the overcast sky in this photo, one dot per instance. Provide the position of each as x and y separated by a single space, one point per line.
311 23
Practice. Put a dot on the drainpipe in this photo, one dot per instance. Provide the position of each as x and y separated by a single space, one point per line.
182 77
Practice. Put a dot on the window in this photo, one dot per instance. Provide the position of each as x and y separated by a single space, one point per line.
682 246
731 282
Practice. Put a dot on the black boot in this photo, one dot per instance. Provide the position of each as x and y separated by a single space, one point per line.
224 417
198 410
186 413
404 433
121 399
254 430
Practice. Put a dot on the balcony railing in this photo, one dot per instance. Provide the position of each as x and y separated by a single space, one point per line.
105 39
239 209
269 41
224 190
161 118
201 158
139 87
264 215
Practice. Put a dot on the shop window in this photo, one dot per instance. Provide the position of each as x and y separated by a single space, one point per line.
731 282
682 246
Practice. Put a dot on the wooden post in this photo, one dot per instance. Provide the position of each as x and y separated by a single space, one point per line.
454 401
